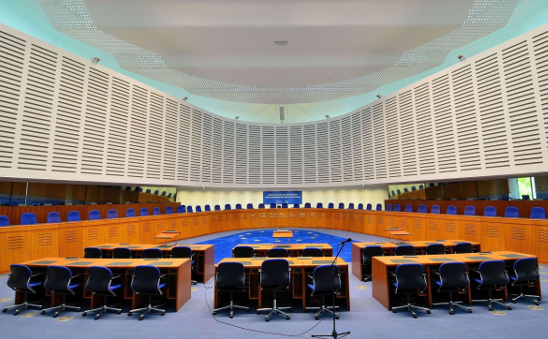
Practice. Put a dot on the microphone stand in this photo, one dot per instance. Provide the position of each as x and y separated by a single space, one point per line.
333 334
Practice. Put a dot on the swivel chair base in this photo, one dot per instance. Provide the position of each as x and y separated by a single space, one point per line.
322 309
24 305
367 277
453 303
490 301
526 296
148 309
410 307
231 307
275 310
102 309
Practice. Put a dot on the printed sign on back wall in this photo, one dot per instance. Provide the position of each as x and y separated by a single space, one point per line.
280 197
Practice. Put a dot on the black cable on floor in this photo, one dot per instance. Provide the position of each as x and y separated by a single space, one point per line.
252 330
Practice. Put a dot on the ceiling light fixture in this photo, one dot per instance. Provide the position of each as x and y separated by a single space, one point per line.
185 98
237 118
379 96
327 117
461 57
281 42
96 60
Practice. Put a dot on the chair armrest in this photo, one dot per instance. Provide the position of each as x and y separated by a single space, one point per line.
436 273
476 271
116 277
392 274
163 276
35 275
311 277
76 276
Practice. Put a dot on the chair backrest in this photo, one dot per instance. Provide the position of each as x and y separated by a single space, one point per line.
435 209
490 211
410 277
146 279
371 251
275 272
451 210
341 205
249 206
526 269
229 275
285 205
537 213
94 215
413 188
296 206
397 208
58 278
319 205
53 217
28 219
19 277
453 276
404 250
4 221
331 205
121 253
278 252
130 212
325 280
148 191
169 210
163 193
243 252
422 209
360 206
156 211
435 249
227 207
151 253
393 193
261 206
312 252
217 207
189 209
143 211
399 192
238 206
198 208
207 208
421 187
112 214
181 252
408 208
156 192
388 208
73 216
93 253
463 247
469 210
511 212
99 279
272 205
181 209
405 190
493 272
378 207
369 207
307 205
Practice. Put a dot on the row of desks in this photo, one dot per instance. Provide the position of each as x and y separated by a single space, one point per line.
295 250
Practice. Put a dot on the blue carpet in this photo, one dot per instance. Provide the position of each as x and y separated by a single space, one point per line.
224 245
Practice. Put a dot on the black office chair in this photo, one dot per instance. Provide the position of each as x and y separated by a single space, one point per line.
368 253
492 275
404 250
324 283
273 274
93 253
410 279
60 281
525 274
121 253
462 247
184 252
278 252
312 252
21 280
452 278
152 253
243 252
435 249
100 283
147 281
230 277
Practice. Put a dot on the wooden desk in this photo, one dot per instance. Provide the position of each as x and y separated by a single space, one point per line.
382 266
177 270
295 250
282 234
204 261
167 235
420 246
299 271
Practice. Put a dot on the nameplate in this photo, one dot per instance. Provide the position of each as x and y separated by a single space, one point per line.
71 259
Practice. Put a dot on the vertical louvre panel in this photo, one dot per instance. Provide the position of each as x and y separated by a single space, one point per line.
170 141
368 145
309 139
443 119
155 136
296 154
118 123
346 149
217 152
241 154
12 54
268 155
38 107
407 132
520 96
137 134
357 149
380 141
69 116
207 128
228 145
334 147
196 146
322 152
425 137
540 45
282 157
254 154
183 164
393 138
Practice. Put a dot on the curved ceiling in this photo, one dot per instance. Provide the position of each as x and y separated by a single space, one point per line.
225 50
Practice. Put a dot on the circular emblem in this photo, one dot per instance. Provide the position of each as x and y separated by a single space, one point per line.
501 313
65 318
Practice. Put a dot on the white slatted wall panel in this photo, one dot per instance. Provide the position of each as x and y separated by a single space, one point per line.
64 118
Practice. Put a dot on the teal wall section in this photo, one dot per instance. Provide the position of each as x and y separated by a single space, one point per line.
28 17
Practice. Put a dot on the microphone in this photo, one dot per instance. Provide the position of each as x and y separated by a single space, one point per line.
344 242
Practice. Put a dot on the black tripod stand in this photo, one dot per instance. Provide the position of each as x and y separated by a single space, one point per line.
334 334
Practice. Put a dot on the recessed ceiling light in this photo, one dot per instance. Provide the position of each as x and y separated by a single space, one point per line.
281 42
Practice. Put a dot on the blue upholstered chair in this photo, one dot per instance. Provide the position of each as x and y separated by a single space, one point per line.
101 282
368 253
435 249
184 252
369 207
164 193
422 209
421 187
492 276
452 278
238 206
181 209
408 208
249 206
59 282
525 274
410 279
148 191
296 206
312 252
28 219
227 207
198 208
285 205
278 252
4 221
388 208
243 252
490 211
351 206
331 205
156 211
511 212
272 205
94 215
307 205
319 205
469 210
189 209
435 209
360 206
399 192
73 216
147 280
462 247
378 207
452 210
273 274
169 210
53 217
152 253
21 280
207 208
93 253
413 188
261 206
537 213
405 190
217 207
121 253
230 277
143 211
156 192
397 208
341 205
325 282
404 250
112 214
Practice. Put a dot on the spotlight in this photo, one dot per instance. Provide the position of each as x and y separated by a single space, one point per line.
281 42
96 60
461 57
237 118
379 96
327 117
203 187
185 98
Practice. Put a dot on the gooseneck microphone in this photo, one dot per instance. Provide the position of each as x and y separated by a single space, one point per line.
344 242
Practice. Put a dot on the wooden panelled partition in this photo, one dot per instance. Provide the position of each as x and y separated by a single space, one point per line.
524 206
23 243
